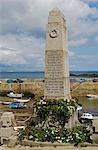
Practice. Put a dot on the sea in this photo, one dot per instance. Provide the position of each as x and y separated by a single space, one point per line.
35 75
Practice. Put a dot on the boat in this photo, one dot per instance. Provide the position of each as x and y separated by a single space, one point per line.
14 95
19 127
92 96
6 103
87 116
79 108
21 100
17 105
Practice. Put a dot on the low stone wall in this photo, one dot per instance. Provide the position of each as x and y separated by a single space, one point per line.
50 145
43 144
37 86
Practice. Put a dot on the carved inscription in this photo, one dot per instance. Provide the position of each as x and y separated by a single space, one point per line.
54 87
54 63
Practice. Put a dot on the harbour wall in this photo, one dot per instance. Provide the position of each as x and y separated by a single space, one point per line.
33 86
37 86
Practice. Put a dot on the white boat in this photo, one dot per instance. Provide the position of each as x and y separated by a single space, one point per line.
19 127
22 100
14 95
5 103
87 116
79 108
92 96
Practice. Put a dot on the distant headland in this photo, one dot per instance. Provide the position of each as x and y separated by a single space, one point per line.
85 75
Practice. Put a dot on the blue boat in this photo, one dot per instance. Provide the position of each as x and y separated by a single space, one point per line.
16 105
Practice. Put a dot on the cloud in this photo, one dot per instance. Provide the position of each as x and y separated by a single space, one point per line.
27 16
89 1
79 42
84 61
8 55
23 26
96 39
22 50
71 54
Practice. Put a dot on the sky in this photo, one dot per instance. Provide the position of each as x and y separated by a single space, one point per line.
23 30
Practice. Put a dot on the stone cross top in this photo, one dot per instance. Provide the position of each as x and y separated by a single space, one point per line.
56 58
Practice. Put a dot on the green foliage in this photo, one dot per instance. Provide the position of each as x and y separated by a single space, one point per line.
78 135
43 112
58 108
4 93
21 135
28 94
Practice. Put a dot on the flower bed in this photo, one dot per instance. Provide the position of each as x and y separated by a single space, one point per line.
74 136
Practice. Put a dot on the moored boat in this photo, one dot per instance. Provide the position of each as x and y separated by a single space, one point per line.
79 108
21 100
14 95
16 105
88 116
92 96
5 103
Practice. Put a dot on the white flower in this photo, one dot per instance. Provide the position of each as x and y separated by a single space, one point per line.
39 107
41 100
60 141
70 137
39 103
52 132
36 139
58 138
30 137
67 140
62 138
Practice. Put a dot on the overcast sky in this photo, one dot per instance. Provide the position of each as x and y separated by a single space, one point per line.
22 33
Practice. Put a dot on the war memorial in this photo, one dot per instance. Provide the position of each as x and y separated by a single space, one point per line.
56 58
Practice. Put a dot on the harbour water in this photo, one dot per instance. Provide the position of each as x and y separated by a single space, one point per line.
21 75
89 105
35 75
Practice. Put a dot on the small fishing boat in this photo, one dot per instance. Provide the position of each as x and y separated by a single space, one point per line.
16 105
79 108
87 116
6 103
14 95
92 96
21 100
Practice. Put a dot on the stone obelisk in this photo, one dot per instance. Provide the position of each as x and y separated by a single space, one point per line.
56 58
